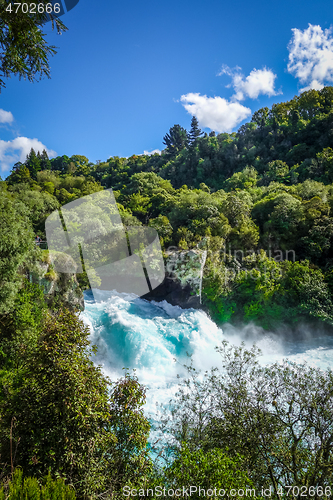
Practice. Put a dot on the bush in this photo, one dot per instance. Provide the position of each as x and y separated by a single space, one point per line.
29 489
209 470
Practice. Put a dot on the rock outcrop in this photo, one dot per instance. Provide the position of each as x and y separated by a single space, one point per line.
182 283
60 289
181 286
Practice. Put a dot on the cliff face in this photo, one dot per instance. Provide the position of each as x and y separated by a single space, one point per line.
60 289
181 286
182 283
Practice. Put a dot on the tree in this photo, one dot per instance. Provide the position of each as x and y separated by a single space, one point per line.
33 163
247 178
208 470
195 131
24 51
131 428
45 163
60 163
278 418
38 206
175 140
277 171
57 414
260 117
19 329
82 165
16 247
19 174
60 405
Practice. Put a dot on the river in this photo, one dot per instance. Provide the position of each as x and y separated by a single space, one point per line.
154 338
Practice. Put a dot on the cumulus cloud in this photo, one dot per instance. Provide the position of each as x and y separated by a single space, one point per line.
311 57
154 151
259 81
215 113
16 150
6 116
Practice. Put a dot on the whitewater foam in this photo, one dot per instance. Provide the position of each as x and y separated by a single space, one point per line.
156 339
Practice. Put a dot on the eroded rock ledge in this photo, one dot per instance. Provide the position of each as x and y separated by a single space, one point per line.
60 289
182 283
181 286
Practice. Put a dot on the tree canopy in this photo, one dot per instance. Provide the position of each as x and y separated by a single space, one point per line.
24 51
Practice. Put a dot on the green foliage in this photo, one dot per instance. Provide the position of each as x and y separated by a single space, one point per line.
289 141
60 406
19 174
80 165
194 132
24 51
267 291
247 178
33 163
211 470
16 249
131 461
19 329
175 140
275 173
51 275
60 164
163 227
28 488
39 205
269 243
306 293
277 418
62 417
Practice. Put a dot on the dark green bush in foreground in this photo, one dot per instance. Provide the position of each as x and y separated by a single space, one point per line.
266 426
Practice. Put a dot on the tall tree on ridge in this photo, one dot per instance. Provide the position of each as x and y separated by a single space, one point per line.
195 131
44 161
33 163
175 140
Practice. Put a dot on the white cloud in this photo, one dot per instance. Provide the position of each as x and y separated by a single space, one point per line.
6 116
311 57
16 150
259 81
154 151
215 113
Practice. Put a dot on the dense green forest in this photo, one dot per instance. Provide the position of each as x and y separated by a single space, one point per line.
259 202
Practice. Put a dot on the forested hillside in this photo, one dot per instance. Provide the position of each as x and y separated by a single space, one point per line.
260 203
259 200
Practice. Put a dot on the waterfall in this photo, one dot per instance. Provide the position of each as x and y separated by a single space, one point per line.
154 338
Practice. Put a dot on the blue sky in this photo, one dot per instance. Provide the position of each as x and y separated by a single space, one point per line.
121 70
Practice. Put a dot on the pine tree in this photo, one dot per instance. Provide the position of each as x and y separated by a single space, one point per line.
175 140
195 131
33 163
44 161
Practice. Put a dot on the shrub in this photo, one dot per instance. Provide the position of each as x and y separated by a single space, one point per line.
29 489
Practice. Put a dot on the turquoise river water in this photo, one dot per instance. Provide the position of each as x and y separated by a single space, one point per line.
154 338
